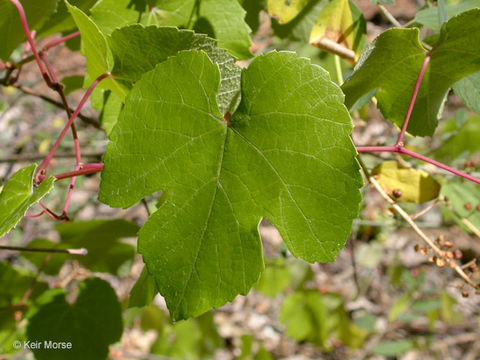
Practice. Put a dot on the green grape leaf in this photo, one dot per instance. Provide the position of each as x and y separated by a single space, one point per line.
429 17
341 22
274 279
90 325
310 316
285 11
55 262
96 51
170 13
461 142
109 15
286 154
414 185
223 20
393 63
137 49
11 30
18 195
61 20
227 21
393 348
102 240
108 105
72 83
143 291
463 201
468 90
300 28
15 282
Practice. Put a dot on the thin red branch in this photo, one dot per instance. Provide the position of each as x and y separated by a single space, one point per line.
84 170
23 20
85 97
56 42
412 101
36 215
402 150
51 214
49 67
70 191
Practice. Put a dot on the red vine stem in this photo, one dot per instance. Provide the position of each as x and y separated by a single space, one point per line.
83 170
399 145
402 150
36 215
70 190
412 101
50 213
85 97
23 20
56 42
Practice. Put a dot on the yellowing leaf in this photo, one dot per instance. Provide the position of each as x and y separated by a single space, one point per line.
406 184
285 11
340 29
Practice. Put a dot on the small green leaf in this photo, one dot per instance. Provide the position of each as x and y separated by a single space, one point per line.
18 195
170 13
227 19
72 83
399 307
298 318
285 11
96 50
223 20
101 238
274 279
109 15
468 90
143 291
427 305
463 200
15 282
191 339
11 30
393 348
91 324
393 62
461 142
406 184
286 154
108 105
429 17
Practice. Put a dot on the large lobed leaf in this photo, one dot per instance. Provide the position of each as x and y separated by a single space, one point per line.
18 195
393 62
286 155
